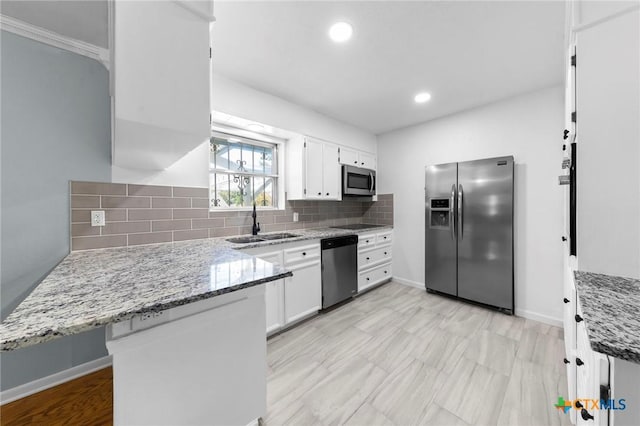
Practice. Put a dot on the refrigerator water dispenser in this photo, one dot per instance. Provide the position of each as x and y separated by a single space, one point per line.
439 213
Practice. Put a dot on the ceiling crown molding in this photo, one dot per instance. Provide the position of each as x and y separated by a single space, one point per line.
54 39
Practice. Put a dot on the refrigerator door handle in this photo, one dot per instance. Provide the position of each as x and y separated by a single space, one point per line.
460 212
452 214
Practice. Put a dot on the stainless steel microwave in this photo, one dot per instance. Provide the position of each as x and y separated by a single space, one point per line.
357 181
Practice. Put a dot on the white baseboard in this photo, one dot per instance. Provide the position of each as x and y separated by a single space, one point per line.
557 322
56 379
410 283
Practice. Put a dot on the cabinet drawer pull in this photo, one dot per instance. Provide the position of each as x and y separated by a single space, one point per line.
585 414
368 278
355 162
368 258
367 241
579 362
566 361
579 404
304 253
578 318
319 193
385 238
566 300
385 253
362 164
385 272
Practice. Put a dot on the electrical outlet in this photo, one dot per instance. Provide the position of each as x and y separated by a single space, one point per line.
97 218
295 216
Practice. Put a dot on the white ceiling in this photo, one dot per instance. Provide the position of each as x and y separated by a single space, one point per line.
465 53
84 20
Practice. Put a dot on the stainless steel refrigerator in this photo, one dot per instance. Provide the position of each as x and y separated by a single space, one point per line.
469 231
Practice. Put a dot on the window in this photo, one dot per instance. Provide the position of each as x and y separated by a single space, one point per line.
242 172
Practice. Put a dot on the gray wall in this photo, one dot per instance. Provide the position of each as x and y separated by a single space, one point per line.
55 116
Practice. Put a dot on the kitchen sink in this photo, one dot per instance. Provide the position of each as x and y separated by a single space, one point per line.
245 240
258 238
280 236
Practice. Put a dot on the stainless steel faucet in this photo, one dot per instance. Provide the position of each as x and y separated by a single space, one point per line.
256 226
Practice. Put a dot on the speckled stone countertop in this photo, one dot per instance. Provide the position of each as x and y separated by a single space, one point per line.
92 288
610 308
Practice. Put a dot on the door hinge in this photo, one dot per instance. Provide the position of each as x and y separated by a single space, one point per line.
305 191
209 52
573 61
573 116
305 144
210 119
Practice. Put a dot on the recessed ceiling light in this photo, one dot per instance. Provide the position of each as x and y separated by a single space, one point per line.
340 32
422 97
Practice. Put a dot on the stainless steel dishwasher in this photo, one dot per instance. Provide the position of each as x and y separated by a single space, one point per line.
339 269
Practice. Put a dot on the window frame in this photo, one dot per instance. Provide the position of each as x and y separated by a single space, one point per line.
278 177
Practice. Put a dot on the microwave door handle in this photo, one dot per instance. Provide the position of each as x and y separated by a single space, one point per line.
372 182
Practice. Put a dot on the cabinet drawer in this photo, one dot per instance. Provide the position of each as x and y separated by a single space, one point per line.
366 240
273 257
374 276
301 254
372 257
384 238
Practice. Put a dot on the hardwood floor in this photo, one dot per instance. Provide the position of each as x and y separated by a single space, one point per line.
87 400
400 356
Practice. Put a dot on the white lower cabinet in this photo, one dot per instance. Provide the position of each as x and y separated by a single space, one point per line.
302 291
293 298
274 299
374 259
599 385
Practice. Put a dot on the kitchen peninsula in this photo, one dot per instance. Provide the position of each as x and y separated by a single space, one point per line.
185 326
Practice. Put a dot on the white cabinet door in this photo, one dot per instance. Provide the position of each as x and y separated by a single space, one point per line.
302 292
314 157
161 83
331 176
608 107
366 160
273 295
348 156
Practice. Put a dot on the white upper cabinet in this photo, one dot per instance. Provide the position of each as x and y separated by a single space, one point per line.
366 160
352 157
313 170
331 172
161 79
348 156
607 93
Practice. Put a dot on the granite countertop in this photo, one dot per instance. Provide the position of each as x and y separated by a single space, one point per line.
610 307
92 288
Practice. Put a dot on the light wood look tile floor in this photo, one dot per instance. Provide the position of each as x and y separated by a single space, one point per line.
400 356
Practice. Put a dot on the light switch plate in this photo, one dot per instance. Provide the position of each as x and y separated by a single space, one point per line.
295 216
97 218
